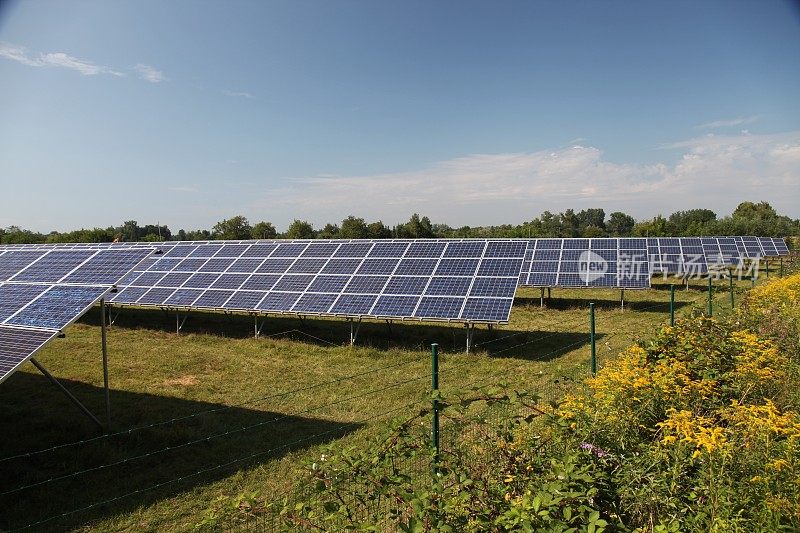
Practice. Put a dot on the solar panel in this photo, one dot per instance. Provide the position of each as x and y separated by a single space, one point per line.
683 256
395 279
780 246
606 262
18 345
47 290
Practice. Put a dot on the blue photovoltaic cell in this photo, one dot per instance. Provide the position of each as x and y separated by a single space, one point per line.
57 307
173 279
769 246
780 246
213 299
190 264
53 266
493 287
148 279
457 267
229 281
488 309
341 266
353 304
499 267
448 286
289 250
274 266
216 265
388 249
416 267
353 249
128 295
245 265
314 303
18 345
206 250
307 266
377 266
156 296
164 264
320 250
328 284
244 300
506 249
293 282
366 284
395 306
260 250
439 307
232 250
14 261
14 297
261 282
406 285
107 267
278 301
425 249
464 249
198 281
183 297
542 279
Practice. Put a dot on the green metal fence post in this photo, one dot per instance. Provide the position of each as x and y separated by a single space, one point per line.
781 272
591 339
435 420
710 294
730 285
672 305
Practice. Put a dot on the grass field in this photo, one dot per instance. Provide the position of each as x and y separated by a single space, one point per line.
250 411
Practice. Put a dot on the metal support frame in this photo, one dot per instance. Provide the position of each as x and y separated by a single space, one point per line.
256 328
435 405
541 298
470 333
389 327
548 294
593 360
104 348
178 322
672 305
113 319
354 330
67 393
622 299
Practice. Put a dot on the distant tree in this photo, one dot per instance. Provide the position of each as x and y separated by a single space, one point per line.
353 228
130 231
236 228
17 235
198 235
330 231
182 235
378 230
592 217
657 227
153 237
162 232
263 230
619 224
570 224
592 232
417 228
753 211
300 229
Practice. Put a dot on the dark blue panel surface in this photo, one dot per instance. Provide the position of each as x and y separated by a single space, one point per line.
395 306
439 307
487 309
353 304
57 307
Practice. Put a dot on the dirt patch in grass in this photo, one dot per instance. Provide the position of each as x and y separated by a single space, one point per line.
186 381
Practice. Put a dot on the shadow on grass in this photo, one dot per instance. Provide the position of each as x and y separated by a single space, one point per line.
35 416
536 345
564 304
408 335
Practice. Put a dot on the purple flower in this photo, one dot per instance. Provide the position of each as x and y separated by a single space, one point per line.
595 450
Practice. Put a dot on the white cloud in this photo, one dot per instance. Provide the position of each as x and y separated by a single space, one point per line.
239 94
739 121
54 59
713 171
146 72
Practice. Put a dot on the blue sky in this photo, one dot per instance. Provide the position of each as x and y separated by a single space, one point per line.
187 112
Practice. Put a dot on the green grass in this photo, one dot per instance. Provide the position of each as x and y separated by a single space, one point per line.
290 392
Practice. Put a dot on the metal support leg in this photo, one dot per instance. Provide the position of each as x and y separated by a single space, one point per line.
389 327
541 298
179 323
548 294
68 394
470 332
104 346
622 299
113 319
354 331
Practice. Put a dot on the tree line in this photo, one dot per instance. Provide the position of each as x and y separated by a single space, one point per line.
749 218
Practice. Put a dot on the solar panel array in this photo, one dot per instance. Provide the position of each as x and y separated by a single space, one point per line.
43 291
426 279
677 255
603 262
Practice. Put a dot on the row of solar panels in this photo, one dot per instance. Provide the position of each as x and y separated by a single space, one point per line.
43 291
